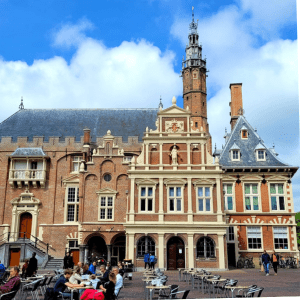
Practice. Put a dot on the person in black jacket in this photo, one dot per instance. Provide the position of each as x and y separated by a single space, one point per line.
32 266
66 260
266 262
109 287
105 274
275 261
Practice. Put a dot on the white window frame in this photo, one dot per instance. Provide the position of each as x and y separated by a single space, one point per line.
277 195
287 237
229 195
257 155
146 197
106 192
204 211
173 183
76 204
251 195
76 160
106 207
176 198
238 153
261 237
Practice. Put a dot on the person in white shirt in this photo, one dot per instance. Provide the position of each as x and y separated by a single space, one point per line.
119 280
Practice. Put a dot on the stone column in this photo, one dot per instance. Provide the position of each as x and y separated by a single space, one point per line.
219 200
161 200
131 247
81 253
86 253
147 156
190 207
221 251
160 156
188 145
109 247
202 155
161 251
191 249
131 211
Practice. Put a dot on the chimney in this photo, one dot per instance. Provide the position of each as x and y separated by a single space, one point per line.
86 136
236 104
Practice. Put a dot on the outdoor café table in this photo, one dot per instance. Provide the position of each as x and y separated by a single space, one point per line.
202 280
213 283
147 281
232 288
155 287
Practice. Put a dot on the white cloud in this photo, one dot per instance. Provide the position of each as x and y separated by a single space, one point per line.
134 74
72 34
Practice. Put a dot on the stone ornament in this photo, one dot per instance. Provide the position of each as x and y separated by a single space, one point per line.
174 126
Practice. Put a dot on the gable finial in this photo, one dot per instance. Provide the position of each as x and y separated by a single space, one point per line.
273 145
21 106
215 146
160 105
225 130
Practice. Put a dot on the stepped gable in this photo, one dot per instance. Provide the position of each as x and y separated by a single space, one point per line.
71 122
247 148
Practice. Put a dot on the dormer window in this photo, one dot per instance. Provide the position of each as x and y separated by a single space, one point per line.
235 152
244 133
260 152
235 155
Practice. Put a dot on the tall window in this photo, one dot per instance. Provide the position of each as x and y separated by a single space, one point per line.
145 245
205 247
228 196
73 204
76 163
146 199
175 199
254 237
235 155
280 237
204 199
106 207
251 197
261 154
277 196
230 233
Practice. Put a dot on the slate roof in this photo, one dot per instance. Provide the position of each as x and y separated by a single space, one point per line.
28 152
71 122
247 148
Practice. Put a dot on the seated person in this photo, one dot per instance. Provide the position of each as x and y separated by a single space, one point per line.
93 280
105 273
63 282
119 280
80 265
121 269
109 287
92 268
108 267
12 284
76 276
24 268
85 270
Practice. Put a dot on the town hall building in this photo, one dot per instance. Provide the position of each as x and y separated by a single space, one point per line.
117 183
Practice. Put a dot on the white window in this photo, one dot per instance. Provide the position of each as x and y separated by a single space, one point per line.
106 208
76 163
230 234
72 204
251 196
146 199
280 237
277 196
228 196
261 155
254 237
204 199
235 155
175 199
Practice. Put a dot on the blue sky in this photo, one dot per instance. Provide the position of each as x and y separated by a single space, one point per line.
61 54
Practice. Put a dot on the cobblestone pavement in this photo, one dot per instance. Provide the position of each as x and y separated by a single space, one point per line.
287 283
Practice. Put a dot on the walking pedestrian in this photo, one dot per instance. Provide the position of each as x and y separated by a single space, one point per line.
66 261
32 266
266 262
275 261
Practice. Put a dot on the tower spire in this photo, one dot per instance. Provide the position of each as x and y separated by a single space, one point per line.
193 25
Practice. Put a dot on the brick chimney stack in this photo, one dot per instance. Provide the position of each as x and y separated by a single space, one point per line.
86 136
236 103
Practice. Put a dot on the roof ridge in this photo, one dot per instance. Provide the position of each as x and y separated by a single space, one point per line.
29 109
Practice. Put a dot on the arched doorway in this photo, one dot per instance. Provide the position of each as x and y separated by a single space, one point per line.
118 250
25 225
175 254
97 248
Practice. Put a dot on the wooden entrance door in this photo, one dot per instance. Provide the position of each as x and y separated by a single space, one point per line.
25 225
75 256
14 257
176 257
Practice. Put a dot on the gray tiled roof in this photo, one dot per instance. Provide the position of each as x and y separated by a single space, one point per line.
28 152
71 122
247 148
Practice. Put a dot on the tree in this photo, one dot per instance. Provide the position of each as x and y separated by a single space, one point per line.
297 218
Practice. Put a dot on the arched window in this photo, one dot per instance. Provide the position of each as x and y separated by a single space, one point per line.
145 245
205 247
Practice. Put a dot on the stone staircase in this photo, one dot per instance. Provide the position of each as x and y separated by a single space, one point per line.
54 264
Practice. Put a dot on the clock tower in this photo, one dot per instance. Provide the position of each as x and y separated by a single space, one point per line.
194 80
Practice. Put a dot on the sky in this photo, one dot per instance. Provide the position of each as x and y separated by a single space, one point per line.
127 54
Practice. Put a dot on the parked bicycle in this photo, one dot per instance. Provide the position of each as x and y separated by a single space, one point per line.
245 262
